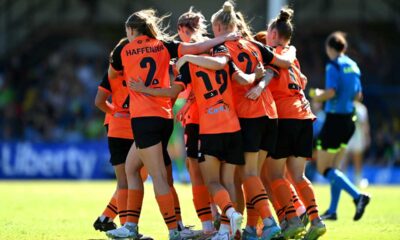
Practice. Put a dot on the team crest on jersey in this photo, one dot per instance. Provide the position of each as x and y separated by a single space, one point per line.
218 107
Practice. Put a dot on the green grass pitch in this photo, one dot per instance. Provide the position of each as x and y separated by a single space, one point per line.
66 210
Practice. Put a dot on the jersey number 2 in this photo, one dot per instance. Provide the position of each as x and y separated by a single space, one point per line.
149 62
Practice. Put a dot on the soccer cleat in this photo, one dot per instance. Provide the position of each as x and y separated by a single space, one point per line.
176 236
315 231
188 233
304 219
126 231
105 225
361 203
294 229
271 232
206 235
249 234
329 216
236 223
221 236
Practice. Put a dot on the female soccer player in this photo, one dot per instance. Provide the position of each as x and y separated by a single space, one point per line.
192 28
220 136
294 143
257 117
342 87
147 57
120 140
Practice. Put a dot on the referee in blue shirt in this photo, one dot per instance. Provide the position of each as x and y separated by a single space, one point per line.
342 88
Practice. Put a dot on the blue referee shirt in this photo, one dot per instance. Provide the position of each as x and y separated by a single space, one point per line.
343 75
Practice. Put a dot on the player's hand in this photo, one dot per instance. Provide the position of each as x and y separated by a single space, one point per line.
180 116
254 93
305 105
259 71
233 36
180 63
137 86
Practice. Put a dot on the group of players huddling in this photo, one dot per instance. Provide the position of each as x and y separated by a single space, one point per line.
248 127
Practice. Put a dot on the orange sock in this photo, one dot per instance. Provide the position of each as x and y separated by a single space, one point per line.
282 194
111 210
306 193
297 203
177 205
134 206
166 205
201 202
224 219
256 195
223 201
252 215
122 204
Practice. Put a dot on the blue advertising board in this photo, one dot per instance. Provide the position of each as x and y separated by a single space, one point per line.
24 160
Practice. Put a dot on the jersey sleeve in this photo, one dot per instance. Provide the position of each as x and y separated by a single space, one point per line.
184 78
266 53
220 50
332 76
115 55
105 84
173 48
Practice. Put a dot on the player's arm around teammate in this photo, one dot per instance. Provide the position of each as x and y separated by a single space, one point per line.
294 143
147 57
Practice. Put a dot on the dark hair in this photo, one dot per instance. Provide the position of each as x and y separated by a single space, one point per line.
283 23
192 20
337 40
147 23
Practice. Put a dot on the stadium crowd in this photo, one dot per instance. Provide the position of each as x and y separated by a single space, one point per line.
52 100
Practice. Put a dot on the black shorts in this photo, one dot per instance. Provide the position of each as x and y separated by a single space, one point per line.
295 138
226 147
119 148
149 131
259 133
192 140
336 132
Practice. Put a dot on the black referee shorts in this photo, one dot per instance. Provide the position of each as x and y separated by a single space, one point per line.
336 132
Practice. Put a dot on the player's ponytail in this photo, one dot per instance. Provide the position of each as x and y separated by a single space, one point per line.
243 26
226 16
283 23
147 23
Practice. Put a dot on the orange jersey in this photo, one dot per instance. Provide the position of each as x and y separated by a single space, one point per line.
246 55
213 95
287 90
119 124
106 119
148 59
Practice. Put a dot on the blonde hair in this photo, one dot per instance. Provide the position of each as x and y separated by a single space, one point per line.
195 21
146 22
243 26
226 15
